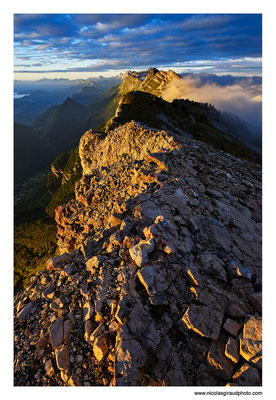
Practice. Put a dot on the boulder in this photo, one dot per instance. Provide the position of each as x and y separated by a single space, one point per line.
62 358
87 310
251 340
153 278
49 369
232 350
256 300
218 363
56 263
100 347
247 376
203 320
56 332
26 312
140 252
231 326
236 270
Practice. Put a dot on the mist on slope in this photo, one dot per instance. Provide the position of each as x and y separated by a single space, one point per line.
239 99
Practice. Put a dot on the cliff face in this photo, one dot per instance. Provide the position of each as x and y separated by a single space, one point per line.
159 277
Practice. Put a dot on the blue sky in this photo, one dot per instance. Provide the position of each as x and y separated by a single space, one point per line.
84 45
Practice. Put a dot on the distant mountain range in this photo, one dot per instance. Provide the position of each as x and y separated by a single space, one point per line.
58 128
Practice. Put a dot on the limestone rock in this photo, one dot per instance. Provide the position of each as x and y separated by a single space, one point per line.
218 363
251 340
236 270
56 263
56 332
232 350
153 278
49 369
62 358
130 358
203 320
231 326
140 252
256 300
100 347
87 310
247 376
27 311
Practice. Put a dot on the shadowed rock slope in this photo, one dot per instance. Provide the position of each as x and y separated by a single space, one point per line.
158 281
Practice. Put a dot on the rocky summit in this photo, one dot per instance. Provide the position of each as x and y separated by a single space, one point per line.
159 279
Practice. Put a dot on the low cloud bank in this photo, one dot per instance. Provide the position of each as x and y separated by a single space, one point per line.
232 95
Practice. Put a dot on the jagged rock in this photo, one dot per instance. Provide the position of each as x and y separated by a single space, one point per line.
87 310
164 234
59 261
88 328
231 326
62 358
49 369
175 192
100 347
232 350
193 276
130 358
247 376
140 252
94 262
256 300
218 363
49 292
56 332
27 311
251 340
154 279
212 265
203 320
67 328
236 270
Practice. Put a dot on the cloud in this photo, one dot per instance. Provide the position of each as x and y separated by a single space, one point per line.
241 96
143 40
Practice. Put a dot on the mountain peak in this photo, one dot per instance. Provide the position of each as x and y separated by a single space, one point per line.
152 81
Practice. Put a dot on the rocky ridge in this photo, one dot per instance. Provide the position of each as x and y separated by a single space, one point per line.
159 278
152 81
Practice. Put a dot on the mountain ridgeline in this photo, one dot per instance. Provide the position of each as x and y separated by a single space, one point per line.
158 279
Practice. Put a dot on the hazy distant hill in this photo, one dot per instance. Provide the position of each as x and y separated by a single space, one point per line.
31 153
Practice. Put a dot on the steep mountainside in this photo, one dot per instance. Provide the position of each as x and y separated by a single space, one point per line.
158 281
185 117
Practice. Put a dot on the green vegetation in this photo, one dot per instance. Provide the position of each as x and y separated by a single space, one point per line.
65 192
34 243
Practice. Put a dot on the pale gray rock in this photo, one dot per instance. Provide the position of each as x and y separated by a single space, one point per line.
130 358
